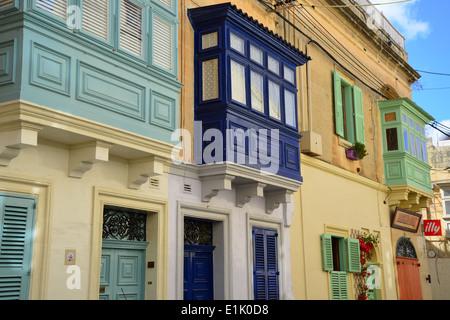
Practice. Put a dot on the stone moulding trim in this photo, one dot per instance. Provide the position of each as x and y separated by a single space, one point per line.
24 111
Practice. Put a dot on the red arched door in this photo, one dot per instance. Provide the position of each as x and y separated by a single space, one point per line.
408 270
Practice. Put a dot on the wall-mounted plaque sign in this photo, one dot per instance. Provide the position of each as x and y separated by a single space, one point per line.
406 220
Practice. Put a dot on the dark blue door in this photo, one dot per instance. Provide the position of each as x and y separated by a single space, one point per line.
198 272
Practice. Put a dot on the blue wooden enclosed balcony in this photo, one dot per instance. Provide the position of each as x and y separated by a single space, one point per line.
246 92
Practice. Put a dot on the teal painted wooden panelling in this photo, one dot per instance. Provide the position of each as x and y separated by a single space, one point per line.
45 62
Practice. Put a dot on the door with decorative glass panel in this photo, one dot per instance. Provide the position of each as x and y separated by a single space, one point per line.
122 275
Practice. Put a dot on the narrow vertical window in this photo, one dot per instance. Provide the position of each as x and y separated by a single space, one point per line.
131 27
274 100
238 82
257 91
289 75
289 106
273 65
413 148
96 18
405 137
424 151
391 139
162 43
418 148
210 79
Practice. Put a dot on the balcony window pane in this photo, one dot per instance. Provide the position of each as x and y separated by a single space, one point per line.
391 139
256 55
237 43
210 40
273 65
289 74
131 27
289 106
96 18
418 148
405 137
413 148
274 100
424 151
210 79
56 7
257 91
238 82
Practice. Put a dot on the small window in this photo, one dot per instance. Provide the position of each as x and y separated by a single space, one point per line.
391 139
162 43
238 82
413 148
424 151
405 137
273 65
131 27
210 79
257 91
256 55
289 75
289 106
96 18
418 148
237 43
274 100
210 40
56 7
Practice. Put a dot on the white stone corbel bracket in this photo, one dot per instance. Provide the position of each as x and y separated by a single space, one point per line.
141 170
14 137
83 156
245 192
275 198
211 185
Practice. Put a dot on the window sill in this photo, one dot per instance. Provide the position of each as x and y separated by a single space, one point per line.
344 143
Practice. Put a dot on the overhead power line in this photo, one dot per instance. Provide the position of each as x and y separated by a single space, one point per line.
436 73
290 3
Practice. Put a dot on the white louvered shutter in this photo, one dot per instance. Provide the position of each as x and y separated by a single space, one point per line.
162 43
6 3
167 3
96 17
131 27
56 7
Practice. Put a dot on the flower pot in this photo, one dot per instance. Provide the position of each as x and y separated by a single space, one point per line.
351 154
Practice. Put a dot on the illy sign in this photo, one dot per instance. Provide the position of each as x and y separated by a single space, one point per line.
432 227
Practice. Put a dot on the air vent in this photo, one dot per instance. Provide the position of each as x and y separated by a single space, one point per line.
154 183
187 188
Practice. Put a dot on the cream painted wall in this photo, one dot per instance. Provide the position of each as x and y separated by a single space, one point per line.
335 198
66 220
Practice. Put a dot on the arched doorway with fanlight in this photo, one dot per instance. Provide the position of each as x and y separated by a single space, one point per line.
408 270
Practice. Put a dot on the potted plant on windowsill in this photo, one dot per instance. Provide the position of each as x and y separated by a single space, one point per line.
357 151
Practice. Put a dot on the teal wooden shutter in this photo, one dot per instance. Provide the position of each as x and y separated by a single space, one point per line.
16 231
353 254
358 114
338 110
265 264
338 285
327 252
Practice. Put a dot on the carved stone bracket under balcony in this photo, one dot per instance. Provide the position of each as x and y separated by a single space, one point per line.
82 157
16 136
245 192
211 185
141 170
409 198
275 198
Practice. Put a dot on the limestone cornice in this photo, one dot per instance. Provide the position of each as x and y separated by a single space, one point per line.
87 130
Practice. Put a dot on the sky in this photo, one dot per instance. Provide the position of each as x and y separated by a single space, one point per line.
425 25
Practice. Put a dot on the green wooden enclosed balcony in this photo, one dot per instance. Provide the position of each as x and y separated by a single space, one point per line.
405 157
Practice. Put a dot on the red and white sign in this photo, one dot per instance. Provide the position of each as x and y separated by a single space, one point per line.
432 227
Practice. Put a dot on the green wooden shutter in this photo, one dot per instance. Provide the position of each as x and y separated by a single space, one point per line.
353 254
16 230
327 252
338 285
338 110
359 114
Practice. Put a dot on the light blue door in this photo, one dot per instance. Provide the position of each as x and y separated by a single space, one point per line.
16 235
122 275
